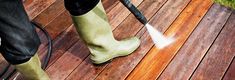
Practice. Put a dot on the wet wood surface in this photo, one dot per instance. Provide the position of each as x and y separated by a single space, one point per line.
181 28
196 47
203 48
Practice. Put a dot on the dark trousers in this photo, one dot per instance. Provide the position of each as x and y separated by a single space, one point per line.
19 40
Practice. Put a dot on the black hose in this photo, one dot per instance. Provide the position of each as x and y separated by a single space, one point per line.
134 11
48 56
5 70
46 59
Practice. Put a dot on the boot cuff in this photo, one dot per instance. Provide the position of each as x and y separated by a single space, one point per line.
80 7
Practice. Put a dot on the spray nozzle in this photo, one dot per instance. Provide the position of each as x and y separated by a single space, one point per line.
158 38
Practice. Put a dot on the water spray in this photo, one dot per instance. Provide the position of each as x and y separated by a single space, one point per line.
158 38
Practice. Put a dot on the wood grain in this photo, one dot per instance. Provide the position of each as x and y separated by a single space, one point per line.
35 7
109 4
50 13
125 65
215 63
195 48
230 75
71 58
60 45
119 13
157 59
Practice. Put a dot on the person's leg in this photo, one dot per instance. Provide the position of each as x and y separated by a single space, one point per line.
19 40
91 23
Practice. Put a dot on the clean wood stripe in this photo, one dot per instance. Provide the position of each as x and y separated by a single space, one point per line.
230 74
125 65
157 59
168 13
194 49
220 55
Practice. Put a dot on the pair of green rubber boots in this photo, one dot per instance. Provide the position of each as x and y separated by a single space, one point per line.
94 29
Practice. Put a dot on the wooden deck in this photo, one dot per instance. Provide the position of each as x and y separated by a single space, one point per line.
204 48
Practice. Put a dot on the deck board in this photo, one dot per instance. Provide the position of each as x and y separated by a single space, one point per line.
230 74
218 58
196 47
35 7
203 47
182 28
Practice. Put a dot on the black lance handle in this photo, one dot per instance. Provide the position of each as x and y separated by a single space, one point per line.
134 11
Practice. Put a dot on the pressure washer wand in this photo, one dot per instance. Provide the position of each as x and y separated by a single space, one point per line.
135 11
158 38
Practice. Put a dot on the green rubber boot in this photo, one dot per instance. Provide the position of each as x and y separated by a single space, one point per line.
32 70
227 3
94 29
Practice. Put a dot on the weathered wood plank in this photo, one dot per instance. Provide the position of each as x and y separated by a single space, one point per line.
62 44
220 55
35 7
119 13
63 67
71 58
109 4
230 74
50 13
60 24
56 27
57 8
182 28
190 55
